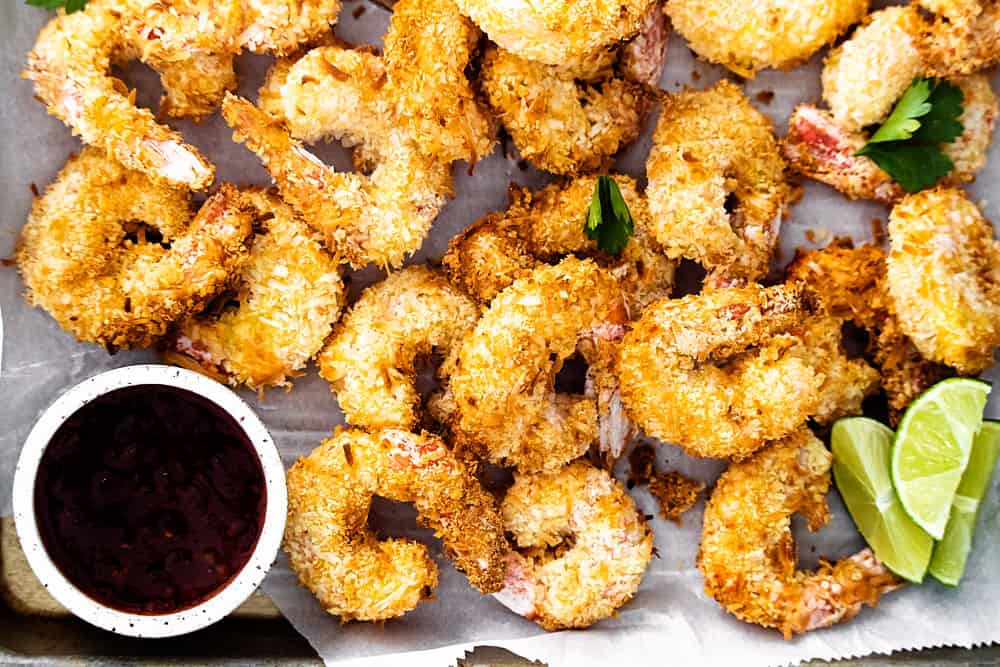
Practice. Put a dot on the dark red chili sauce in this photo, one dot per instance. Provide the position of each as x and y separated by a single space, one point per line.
150 499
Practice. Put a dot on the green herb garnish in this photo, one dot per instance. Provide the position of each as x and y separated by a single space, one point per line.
609 221
70 5
907 146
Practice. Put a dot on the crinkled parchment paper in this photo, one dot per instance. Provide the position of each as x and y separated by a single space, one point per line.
671 621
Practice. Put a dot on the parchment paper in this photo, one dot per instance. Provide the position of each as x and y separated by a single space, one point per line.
671 621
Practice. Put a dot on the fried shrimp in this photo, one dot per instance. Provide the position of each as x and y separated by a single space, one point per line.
573 119
748 556
545 226
962 37
712 153
944 278
724 372
380 217
278 314
88 256
339 558
851 284
191 43
747 37
557 32
862 80
70 67
572 586
506 407
371 359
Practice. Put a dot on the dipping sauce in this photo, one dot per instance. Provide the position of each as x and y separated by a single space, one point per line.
149 499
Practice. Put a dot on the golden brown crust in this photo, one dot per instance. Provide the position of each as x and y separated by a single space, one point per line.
750 36
748 556
280 309
370 361
711 147
79 263
337 557
560 583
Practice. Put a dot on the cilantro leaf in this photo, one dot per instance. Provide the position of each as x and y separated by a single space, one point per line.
908 144
70 5
609 221
942 124
902 122
914 166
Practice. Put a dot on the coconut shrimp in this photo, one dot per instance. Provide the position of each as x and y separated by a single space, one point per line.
863 79
379 217
573 119
750 36
545 226
89 257
962 37
279 312
712 153
851 283
502 388
574 586
724 372
370 360
353 573
944 278
557 32
747 554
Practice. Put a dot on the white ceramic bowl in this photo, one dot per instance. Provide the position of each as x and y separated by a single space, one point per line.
142 625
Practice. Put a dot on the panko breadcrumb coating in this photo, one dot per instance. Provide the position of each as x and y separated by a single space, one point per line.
85 258
963 38
370 361
506 408
573 119
724 372
851 283
714 153
748 555
750 36
545 226
379 218
675 493
582 546
944 278
280 311
338 557
556 32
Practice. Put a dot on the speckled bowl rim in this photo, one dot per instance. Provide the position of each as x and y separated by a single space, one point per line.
140 625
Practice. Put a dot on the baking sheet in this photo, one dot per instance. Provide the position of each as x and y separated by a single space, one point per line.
670 620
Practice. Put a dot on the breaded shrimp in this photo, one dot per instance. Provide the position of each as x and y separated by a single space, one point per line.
280 311
714 153
370 361
573 119
748 556
944 278
282 27
963 37
70 66
851 283
80 264
724 372
428 47
545 226
381 217
750 36
506 408
339 558
556 32
582 546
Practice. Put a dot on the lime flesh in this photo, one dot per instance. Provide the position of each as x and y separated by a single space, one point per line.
950 554
931 449
862 450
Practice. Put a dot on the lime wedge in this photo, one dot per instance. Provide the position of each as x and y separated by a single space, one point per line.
948 562
932 448
862 451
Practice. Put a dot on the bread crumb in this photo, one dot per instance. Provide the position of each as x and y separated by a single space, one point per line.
675 493
765 96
